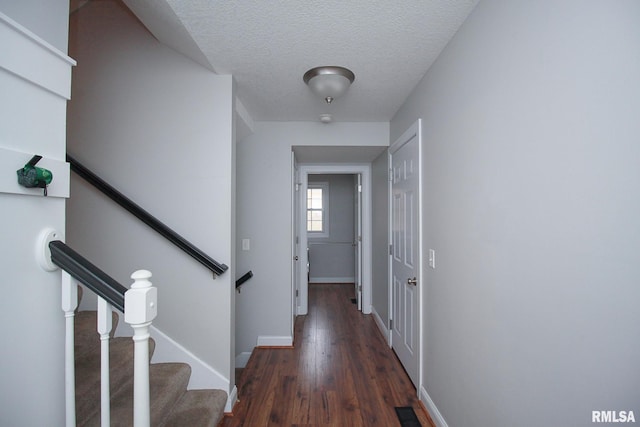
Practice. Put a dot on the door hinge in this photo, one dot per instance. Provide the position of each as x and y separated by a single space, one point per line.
390 249
390 174
390 323
359 288
359 188
296 293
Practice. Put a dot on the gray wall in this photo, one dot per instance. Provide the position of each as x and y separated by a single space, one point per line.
333 257
531 202
380 225
264 197
32 120
49 19
159 127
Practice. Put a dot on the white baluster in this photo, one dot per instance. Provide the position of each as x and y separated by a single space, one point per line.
104 328
69 305
140 308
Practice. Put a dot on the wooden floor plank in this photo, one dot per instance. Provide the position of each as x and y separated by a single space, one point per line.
339 373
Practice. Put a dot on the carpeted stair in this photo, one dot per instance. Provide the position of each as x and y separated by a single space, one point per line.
172 405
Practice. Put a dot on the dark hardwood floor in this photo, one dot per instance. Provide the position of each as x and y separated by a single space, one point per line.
339 373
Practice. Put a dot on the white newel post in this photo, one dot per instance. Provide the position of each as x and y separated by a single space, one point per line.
140 308
104 329
69 305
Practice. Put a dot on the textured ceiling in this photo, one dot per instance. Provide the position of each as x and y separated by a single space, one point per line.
268 46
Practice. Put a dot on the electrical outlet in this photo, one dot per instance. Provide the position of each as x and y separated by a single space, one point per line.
432 258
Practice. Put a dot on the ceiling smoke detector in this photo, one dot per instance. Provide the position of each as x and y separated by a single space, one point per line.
326 118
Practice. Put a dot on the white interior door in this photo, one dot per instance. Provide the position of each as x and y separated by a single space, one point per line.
405 250
357 239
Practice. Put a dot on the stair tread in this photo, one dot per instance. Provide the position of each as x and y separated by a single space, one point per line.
168 382
85 325
202 408
171 404
88 374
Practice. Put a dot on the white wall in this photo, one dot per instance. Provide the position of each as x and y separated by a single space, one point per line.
32 120
159 127
380 249
530 126
333 257
264 185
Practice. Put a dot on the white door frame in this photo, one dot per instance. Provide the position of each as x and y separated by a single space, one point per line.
347 168
357 238
296 265
414 130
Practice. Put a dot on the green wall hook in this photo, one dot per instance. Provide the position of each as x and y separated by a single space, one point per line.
31 176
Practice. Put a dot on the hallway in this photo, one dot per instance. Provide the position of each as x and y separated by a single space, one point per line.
339 373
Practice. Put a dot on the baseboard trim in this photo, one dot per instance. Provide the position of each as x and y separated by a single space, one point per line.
436 416
275 341
203 376
242 359
381 326
231 400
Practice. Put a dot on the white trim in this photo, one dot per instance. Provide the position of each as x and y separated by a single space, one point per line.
242 359
381 326
29 57
356 168
202 375
274 341
231 400
296 267
436 416
422 288
332 280
12 160
324 186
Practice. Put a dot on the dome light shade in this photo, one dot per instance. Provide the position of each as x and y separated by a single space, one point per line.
326 118
329 82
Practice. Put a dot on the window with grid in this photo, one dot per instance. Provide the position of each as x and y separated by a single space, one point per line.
317 208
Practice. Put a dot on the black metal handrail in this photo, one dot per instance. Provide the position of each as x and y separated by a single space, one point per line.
146 217
88 274
244 278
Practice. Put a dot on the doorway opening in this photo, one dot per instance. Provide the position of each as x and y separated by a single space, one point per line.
333 226
332 242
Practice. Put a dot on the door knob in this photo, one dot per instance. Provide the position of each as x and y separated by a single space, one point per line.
295 258
413 281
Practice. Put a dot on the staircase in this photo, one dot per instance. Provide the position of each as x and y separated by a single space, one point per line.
172 405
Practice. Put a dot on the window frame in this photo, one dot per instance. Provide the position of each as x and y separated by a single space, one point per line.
324 186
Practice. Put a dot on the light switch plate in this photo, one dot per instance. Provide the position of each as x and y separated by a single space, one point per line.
432 258
246 244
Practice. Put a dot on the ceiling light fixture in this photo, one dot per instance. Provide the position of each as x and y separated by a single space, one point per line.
329 82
